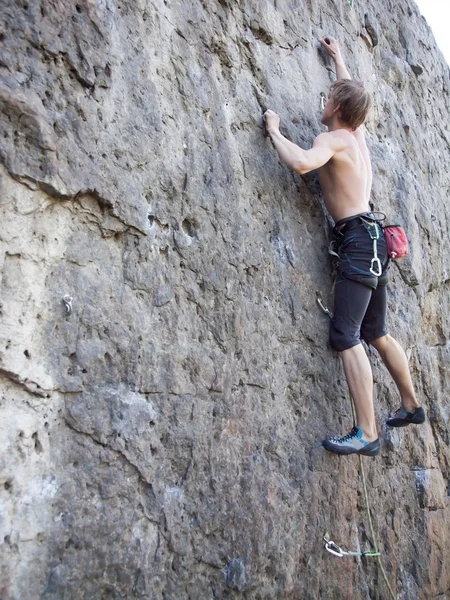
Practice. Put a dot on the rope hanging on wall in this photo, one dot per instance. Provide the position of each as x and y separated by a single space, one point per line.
330 546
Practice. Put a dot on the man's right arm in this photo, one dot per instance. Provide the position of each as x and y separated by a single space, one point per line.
332 47
301 161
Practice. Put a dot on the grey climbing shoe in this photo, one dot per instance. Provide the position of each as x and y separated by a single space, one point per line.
352 443
402 418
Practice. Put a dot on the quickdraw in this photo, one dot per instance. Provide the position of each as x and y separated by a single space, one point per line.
336 550
374 232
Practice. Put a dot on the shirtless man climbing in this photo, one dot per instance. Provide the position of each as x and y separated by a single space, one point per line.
345 176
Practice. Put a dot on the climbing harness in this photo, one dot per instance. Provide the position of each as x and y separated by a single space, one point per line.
372 224
68 304
374 232
336 550
333 249
331 546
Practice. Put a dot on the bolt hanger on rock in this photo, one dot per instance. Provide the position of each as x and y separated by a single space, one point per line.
68 304
323 97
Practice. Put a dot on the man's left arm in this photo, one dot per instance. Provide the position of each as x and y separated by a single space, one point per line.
299 160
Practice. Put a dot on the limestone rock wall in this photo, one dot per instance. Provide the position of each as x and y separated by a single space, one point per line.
162 440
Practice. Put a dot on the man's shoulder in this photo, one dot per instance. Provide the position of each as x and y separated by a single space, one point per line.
325 138
337 140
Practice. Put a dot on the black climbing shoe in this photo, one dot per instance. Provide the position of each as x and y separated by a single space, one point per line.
401 417
352 443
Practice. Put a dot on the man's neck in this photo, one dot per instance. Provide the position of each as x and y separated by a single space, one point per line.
335 124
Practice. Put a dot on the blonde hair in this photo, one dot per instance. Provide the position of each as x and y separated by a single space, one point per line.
354 101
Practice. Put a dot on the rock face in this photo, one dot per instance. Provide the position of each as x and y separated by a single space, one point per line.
160 437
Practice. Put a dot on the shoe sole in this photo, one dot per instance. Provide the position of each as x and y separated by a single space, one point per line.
368 450
412 418
404 423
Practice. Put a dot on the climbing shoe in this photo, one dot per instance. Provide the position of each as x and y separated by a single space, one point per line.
352 443
401 417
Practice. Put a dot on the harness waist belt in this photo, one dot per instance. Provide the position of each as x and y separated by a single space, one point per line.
366 215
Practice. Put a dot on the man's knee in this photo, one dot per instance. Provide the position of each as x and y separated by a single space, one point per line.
342 340
379 343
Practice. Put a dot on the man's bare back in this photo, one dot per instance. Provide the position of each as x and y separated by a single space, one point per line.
341 157
346 179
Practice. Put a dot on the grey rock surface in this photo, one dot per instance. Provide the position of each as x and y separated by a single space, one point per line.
162 440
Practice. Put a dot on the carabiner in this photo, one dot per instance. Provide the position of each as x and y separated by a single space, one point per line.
325 309
377 262
334 549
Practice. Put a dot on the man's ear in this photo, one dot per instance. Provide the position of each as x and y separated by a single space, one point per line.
336 108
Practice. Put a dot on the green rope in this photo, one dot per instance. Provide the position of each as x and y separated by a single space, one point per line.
376 552
369 516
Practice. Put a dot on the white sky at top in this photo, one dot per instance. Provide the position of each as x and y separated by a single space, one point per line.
437 14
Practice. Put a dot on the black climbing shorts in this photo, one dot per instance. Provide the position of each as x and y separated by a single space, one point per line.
360 297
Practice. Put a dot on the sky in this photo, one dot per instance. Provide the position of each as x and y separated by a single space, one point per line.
437 14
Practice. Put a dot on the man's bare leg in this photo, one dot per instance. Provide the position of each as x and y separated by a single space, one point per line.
396 362
360 382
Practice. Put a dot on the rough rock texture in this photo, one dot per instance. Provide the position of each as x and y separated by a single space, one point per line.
162 440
